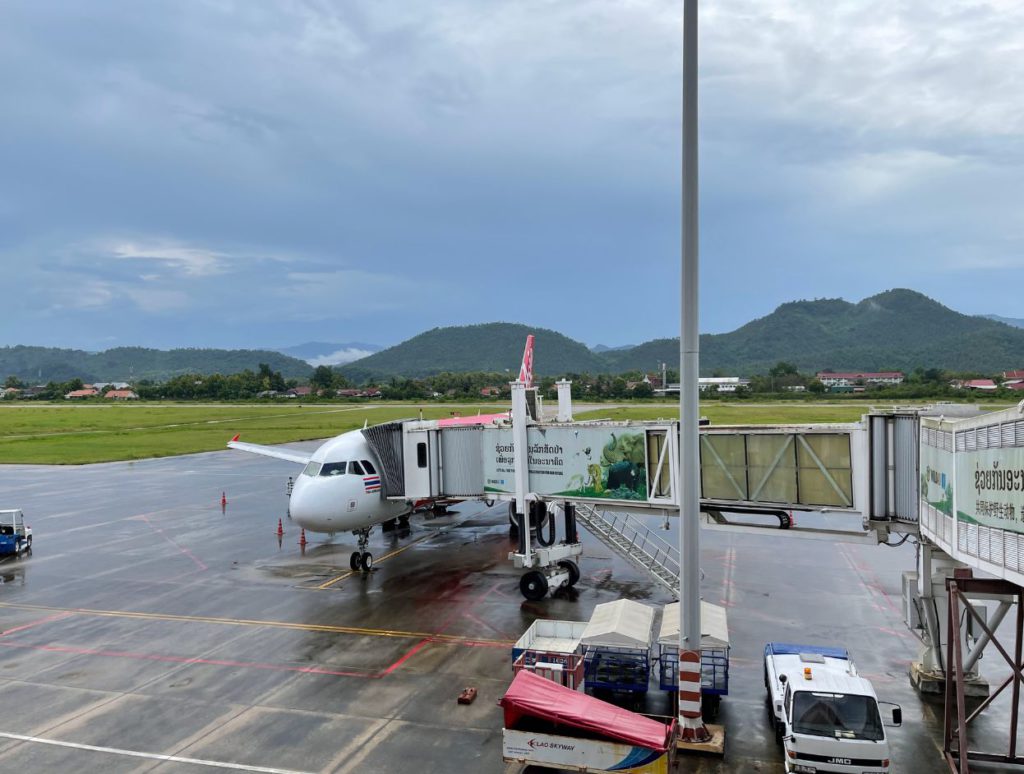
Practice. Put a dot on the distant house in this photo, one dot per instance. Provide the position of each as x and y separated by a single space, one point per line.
1013 375
1016 386
121 395
849 378
9 392
490 392
973 384
112 385
300 392
366 392
720 383
87 392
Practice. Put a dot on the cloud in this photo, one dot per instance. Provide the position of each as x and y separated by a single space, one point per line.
192 262
340 357
230 169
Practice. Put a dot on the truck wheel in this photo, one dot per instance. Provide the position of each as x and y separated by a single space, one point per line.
533 585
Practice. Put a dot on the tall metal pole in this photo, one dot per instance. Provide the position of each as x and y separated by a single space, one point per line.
691 725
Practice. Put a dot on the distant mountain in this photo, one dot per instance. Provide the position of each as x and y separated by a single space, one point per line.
44 364
898 329
318 353
1012 321
599 348
488 347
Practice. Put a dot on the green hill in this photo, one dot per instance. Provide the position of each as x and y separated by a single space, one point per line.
45 364
898 330
489 347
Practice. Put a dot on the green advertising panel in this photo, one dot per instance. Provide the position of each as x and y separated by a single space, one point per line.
584 462
990 488
937 478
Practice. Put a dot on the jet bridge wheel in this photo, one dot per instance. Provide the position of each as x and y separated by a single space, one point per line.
573 569
534 585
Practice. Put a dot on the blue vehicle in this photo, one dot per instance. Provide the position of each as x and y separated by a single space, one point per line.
15 537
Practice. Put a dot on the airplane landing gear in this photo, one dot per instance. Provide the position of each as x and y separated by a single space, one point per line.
361 559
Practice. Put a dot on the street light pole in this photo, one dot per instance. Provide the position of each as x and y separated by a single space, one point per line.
691 724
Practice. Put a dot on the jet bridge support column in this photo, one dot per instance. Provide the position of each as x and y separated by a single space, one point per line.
548 566
928 673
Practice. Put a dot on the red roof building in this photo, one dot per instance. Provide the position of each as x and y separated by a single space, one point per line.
121 395
87 392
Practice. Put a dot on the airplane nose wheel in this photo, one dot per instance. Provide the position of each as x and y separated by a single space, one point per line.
361 559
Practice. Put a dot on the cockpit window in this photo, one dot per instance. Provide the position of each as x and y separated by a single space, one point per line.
354 467
311 469
333 469
368 467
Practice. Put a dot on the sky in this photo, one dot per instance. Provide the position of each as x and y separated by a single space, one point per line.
258 173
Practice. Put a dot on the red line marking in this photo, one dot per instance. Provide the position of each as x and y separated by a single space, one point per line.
181 548
186 660
409 654
31 624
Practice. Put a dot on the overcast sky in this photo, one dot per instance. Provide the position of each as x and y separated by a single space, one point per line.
250 173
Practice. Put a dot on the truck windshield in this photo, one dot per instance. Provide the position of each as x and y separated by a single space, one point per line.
840 715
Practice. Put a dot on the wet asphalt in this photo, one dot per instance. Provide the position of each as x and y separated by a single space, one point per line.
154 630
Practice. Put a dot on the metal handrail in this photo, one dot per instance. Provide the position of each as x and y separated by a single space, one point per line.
635 541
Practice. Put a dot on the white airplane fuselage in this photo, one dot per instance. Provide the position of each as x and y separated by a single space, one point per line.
334 495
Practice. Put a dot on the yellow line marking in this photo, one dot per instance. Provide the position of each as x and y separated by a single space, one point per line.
307 627
384 558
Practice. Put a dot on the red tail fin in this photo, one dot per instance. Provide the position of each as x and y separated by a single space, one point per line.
526 370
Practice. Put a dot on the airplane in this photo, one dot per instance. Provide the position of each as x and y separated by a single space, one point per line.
339 489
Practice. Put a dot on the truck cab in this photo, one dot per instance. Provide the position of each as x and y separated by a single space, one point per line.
15 537
825 715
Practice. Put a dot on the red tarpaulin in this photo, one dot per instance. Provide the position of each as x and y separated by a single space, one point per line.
539 698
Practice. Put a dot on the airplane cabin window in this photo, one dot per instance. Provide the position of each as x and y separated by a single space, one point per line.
311 469
333 469
368 467
354 467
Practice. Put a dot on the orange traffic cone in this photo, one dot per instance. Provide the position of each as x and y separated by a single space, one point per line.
302 538
223 499
280 528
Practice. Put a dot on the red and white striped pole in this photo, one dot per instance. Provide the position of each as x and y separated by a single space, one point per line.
691 724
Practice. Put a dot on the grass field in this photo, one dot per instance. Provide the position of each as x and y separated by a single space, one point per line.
62 434
75 434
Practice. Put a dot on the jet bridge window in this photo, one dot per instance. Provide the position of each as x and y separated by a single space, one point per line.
421 455
355 467
311 469
333 469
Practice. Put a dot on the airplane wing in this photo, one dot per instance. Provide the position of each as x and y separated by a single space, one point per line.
269 451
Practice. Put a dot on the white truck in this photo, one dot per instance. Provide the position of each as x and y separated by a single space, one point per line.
825 715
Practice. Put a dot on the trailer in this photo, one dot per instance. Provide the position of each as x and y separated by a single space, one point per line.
551 649
15 537
617 649
550 726
714 654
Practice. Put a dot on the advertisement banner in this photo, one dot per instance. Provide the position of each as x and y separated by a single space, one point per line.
937 478
990 488
583 462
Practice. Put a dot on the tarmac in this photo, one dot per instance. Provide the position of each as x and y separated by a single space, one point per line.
154 630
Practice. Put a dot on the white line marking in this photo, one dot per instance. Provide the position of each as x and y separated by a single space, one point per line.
151 756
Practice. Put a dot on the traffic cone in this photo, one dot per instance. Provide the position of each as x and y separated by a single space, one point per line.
280 528
223 499
302 538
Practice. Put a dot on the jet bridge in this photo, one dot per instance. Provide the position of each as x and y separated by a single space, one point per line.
607 475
